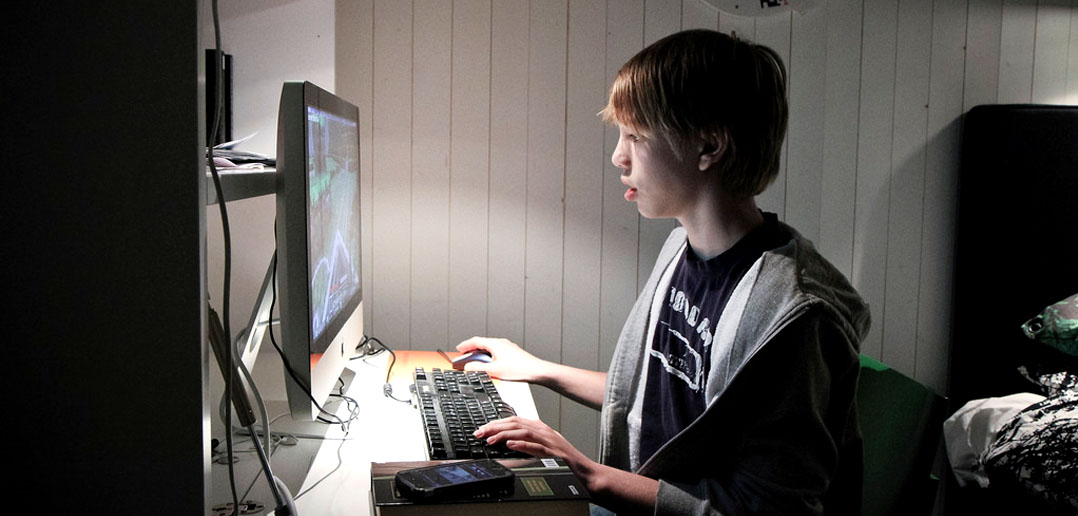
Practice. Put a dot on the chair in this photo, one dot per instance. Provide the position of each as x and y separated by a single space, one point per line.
901 422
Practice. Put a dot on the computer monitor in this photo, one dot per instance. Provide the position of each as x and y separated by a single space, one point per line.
320 295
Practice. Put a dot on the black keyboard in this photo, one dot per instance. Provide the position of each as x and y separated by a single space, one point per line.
452 405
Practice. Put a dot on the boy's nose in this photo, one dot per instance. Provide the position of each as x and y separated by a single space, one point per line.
620 158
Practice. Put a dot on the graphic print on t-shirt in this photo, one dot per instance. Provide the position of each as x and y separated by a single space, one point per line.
688 339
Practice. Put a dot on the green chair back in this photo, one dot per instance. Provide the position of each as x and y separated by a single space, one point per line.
901 422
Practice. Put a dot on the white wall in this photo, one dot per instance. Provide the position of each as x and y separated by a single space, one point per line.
490 205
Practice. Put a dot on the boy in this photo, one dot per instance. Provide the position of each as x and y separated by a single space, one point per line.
732 385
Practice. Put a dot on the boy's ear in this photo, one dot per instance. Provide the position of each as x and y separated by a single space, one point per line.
712 149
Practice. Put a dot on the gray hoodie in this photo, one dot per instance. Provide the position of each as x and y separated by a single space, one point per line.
780 432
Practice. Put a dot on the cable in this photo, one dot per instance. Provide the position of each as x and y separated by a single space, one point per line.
260 402
445 356
262 412
351 403
368 352
387 391
354 409
285 504
227 237
340 462
273 340
387 388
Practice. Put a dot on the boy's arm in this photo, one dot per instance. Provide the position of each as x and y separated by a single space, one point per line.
510 362
613 488
621 491
580 385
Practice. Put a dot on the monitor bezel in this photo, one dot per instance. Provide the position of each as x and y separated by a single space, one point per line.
345 331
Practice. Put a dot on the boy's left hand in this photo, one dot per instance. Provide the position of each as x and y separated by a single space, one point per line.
535 438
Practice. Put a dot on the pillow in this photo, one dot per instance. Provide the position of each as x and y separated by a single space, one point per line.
971 430
1056 326
1037 450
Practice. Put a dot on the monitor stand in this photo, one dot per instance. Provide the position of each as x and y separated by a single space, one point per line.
282 424
248 346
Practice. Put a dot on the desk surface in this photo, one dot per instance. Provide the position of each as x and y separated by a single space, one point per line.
338 481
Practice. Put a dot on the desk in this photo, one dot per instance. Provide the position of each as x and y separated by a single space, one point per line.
386 430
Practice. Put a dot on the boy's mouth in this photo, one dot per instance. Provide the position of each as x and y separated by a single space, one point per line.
630 194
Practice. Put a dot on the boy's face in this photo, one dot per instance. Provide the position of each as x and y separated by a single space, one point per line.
661 184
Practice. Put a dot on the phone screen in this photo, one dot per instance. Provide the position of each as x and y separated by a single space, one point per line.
452 474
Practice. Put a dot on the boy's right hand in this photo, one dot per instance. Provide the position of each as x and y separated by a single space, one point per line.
508 360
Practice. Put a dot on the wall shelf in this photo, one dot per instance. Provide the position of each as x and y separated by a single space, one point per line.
242 184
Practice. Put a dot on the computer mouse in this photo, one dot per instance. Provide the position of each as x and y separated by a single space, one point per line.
473 356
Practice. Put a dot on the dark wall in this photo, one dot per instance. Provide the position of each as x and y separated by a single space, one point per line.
103 256
1017 239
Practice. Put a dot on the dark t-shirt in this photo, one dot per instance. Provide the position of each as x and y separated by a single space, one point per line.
680 351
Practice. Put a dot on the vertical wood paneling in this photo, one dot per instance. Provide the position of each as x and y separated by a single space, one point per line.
1017 34
774 32
940 192
391 151
662 18
874 161
906 192
584 164
470 169
742 27
508 175
838 179
354 30
624 37
1049 62
804 162
1072 57
431 69
491 207
546 189
981 85
696 15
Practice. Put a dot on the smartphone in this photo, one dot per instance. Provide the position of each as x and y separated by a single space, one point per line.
455 480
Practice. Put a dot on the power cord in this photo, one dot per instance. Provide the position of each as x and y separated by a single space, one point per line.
365 350
351 403
333 419
227 237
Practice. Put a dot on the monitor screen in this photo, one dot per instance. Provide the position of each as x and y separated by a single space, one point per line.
332 221
318 242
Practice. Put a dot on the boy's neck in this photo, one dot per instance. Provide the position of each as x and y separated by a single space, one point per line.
714 229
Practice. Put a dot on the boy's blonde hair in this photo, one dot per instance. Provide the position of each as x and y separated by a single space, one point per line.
704 86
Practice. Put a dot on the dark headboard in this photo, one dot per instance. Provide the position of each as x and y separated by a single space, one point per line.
1016 242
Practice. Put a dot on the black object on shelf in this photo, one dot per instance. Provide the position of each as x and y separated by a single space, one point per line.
224 128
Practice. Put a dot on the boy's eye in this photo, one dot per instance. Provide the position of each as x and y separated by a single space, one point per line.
634 138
